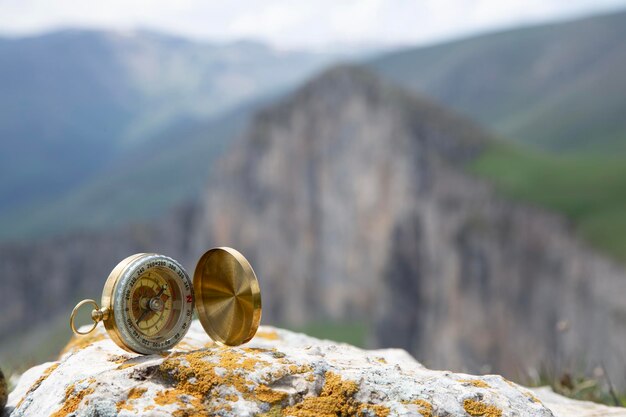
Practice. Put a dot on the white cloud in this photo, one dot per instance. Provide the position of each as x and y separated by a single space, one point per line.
294 23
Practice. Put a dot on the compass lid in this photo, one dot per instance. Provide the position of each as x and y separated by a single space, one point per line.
227 295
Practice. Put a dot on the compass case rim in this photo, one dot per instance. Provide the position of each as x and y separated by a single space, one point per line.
108 300
114 325
224 280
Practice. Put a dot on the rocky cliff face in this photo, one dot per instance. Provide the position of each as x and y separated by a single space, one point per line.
351 200
279 373
314 191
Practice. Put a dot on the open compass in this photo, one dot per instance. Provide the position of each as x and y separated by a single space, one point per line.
148 301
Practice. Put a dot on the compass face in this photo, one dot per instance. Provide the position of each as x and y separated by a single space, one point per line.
152 303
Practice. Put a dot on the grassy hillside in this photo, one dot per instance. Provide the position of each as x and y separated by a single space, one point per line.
559 86
590 190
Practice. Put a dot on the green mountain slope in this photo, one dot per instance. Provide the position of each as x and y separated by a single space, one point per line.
560 86
75 105
589 190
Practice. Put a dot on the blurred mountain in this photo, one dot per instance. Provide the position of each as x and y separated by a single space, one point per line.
559 86
76 103
354 201
559 90
139 185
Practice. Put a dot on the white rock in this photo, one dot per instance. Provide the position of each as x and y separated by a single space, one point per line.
278 373
563 407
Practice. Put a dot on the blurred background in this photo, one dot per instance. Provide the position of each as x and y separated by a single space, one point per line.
445 177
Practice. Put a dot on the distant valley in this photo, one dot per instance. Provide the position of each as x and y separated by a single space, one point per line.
77 104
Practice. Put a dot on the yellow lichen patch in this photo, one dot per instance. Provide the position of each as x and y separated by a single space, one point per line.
118 358
335 399
127 365
133 394
532 397
199 370
73 399
189 405
270 335
80 342
258 350
479 409
381 359
196 374
130 362
45 374
299 369
168 396
275 411
288 370
268 395
377 409
475 382
424 407
231 397
202 371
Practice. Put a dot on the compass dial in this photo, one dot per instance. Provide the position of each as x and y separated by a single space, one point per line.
152 302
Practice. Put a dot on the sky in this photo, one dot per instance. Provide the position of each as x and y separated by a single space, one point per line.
292 24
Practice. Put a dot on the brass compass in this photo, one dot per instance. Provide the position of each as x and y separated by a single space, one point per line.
148 301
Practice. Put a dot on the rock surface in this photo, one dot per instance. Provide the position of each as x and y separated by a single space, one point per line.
279 373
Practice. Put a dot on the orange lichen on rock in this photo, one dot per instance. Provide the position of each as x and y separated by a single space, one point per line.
268 395
81 342
479 409
231 397
133 394
127 365
73 399
270 335
199 370
335 399
199 377
45 374
475 382
189 405
424 407
196 374
299 369
119 358
532 397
